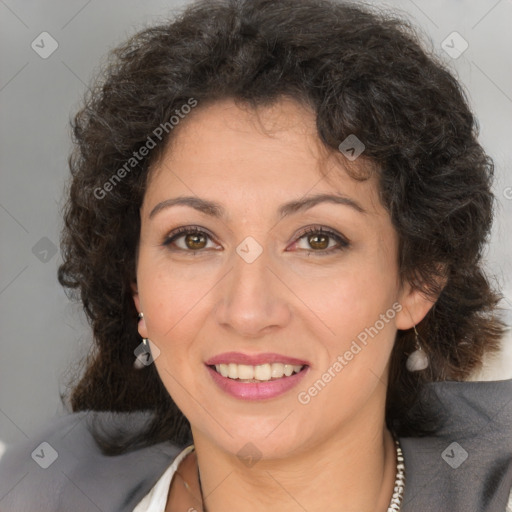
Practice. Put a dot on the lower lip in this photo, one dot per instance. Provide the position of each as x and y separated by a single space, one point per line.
257 390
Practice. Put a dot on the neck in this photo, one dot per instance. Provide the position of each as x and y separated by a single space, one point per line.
354 469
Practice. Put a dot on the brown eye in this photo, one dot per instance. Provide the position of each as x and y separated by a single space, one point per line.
189 239
318 241
195 241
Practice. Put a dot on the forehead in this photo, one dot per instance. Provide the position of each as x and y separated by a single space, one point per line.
226 147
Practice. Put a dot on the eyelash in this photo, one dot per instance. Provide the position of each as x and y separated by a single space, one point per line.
343 243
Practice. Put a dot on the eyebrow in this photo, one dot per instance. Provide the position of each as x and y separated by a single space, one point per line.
215 209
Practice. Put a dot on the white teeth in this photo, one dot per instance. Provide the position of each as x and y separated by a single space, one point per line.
232 371
245 371
277 370
261 372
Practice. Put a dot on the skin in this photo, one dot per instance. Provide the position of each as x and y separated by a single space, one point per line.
334 452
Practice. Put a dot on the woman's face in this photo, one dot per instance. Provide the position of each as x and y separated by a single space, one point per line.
271 275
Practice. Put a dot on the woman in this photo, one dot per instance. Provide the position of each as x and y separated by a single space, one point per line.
275 224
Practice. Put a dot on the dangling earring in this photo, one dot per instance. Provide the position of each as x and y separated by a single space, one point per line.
417 360
142 352
144 340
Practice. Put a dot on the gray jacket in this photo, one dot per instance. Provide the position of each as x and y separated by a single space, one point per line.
465 467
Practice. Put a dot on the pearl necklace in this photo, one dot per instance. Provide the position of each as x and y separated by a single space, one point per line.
398 492
395 504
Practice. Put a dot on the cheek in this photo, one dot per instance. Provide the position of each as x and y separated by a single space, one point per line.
354 311
358 309
172 302
170 293
353 296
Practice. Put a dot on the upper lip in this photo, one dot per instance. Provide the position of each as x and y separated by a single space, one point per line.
253 360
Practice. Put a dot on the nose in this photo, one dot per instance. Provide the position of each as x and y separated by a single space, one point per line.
252 300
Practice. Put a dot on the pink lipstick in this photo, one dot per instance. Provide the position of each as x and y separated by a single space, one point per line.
256 377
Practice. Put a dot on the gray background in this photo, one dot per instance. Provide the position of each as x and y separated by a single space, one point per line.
43 335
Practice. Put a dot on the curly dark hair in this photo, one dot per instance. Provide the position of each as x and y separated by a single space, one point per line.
363 72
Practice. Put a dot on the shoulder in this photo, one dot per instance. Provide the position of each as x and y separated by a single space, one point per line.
466 464
62 468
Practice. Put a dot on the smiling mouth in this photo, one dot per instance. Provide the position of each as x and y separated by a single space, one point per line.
259 373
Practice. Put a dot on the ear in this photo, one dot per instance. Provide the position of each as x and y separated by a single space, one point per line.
415 305
135 295
142 321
